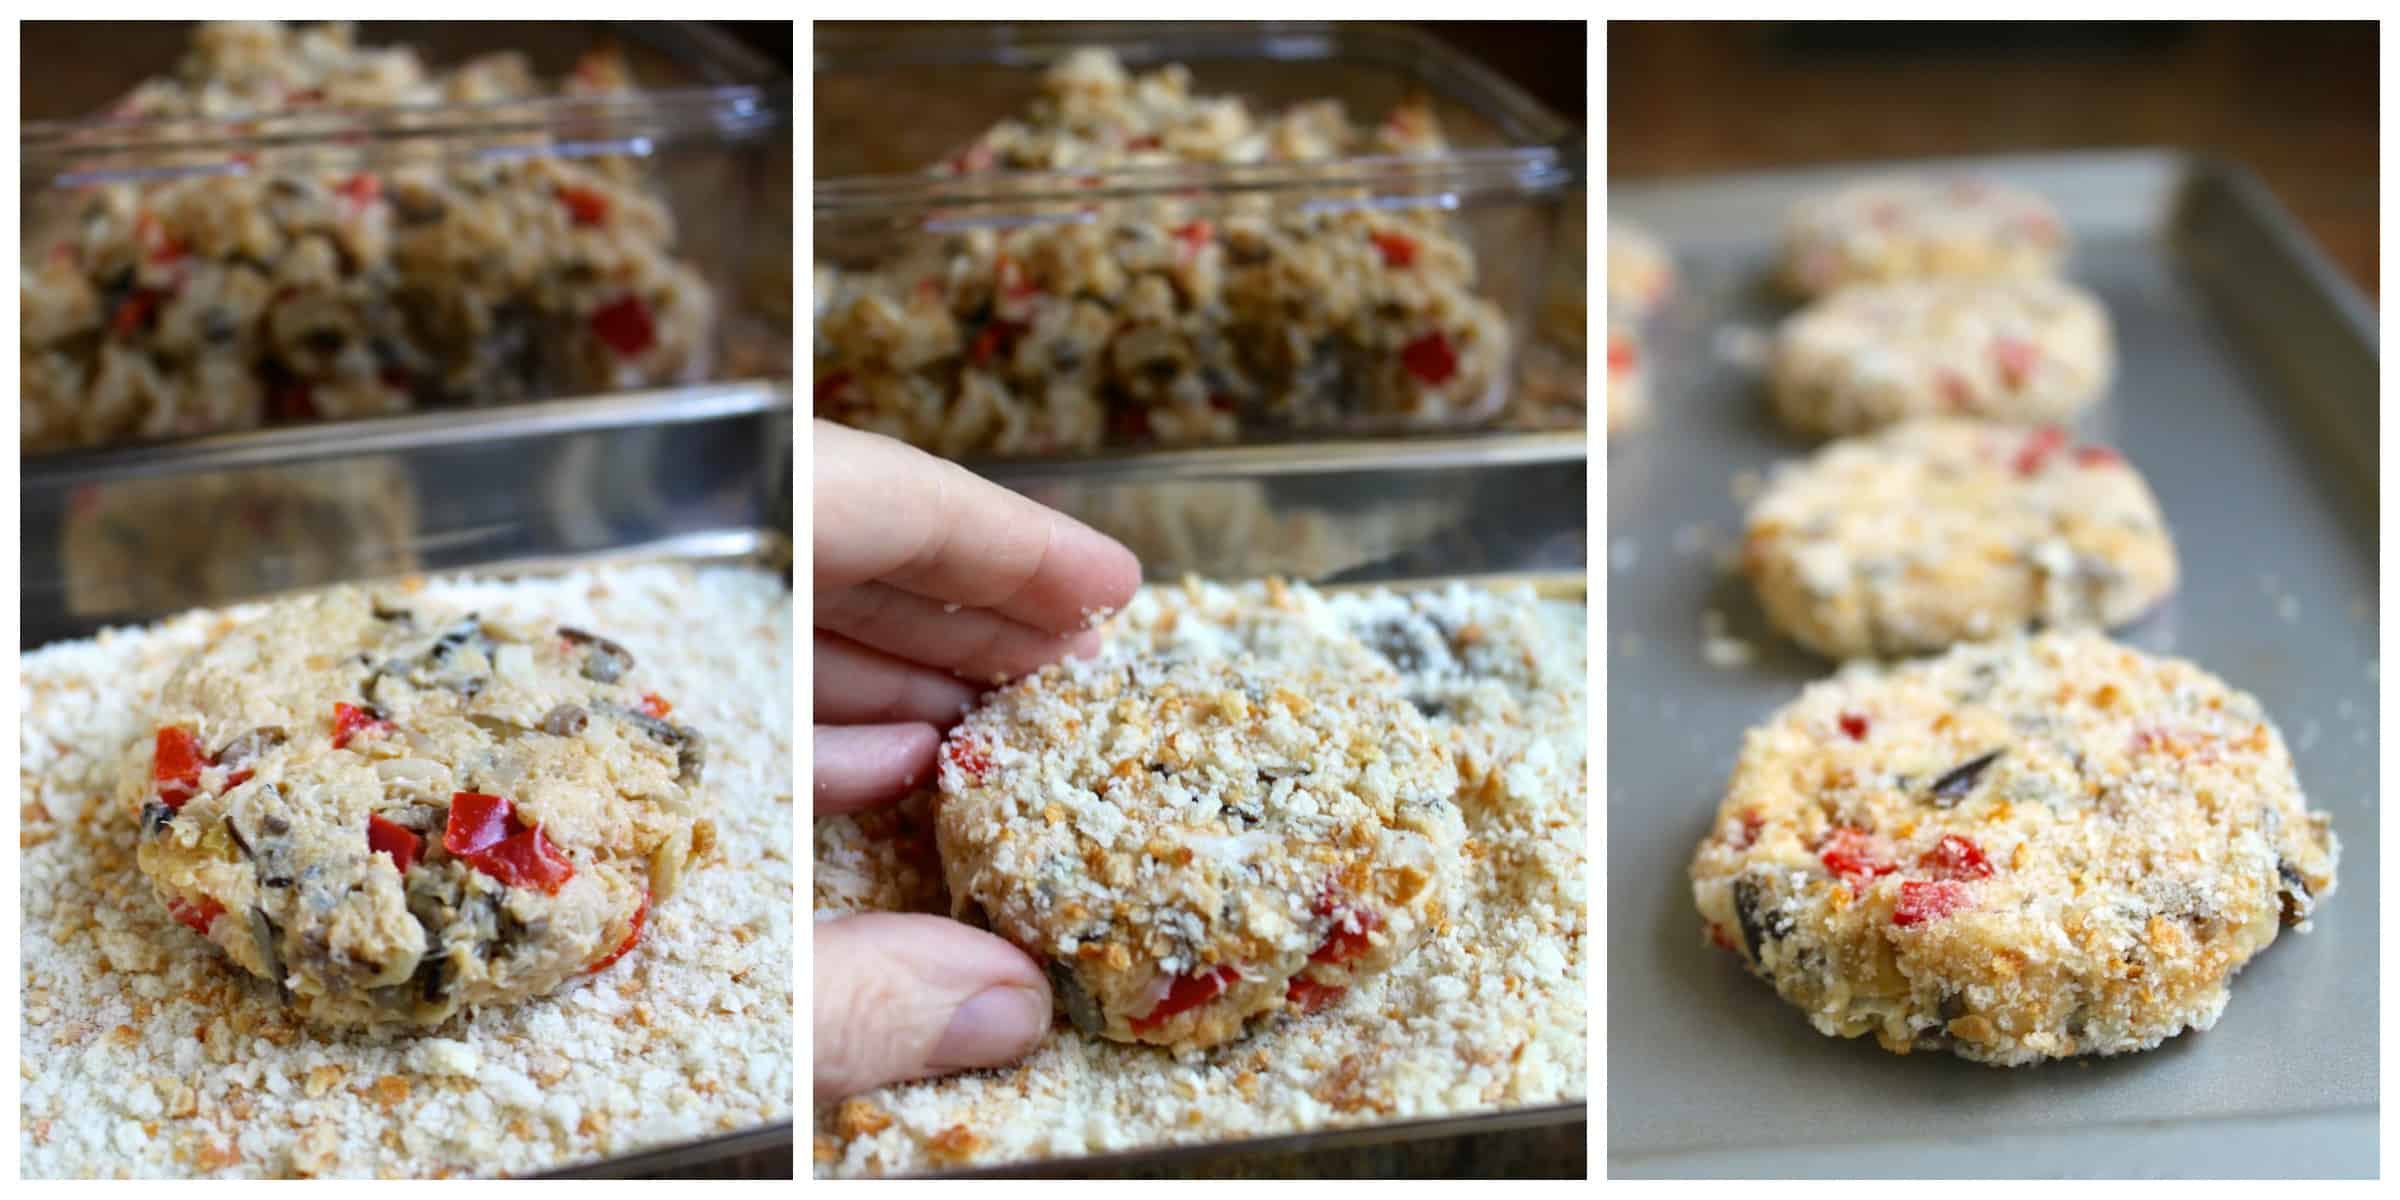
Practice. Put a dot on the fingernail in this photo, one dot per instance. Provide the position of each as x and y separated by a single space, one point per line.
995 1025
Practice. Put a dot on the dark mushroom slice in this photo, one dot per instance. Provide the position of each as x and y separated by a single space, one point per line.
2294 895
248 748
604 661
156 816
269 939
566 720
1081 1008
1959 781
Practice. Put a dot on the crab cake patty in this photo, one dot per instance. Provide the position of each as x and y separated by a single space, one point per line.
1639 273
2025 351
1191 843
1939 531
2035 848
1910 227
1628 387
396 813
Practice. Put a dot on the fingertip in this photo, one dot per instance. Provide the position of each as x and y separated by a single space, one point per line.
900 996
860 766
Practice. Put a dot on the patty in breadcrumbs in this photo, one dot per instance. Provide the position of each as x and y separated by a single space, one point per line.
2035 848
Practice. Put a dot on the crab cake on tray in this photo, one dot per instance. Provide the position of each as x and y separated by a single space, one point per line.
1941 531
1914 227
2034 848
395 812
1191 843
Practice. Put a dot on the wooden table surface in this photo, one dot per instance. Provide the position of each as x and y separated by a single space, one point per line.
2295 103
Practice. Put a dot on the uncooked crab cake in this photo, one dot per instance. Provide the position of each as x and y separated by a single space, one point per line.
1639 273
2026 351
1941 531
1190 843
395 812
2040 847
1911 227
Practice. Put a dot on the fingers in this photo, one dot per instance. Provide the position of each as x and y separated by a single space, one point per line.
861 766
981 647
858 685
888 512
904 995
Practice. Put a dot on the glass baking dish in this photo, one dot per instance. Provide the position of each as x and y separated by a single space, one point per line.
1387 290
550 210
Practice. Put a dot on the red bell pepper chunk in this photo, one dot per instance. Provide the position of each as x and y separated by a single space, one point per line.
350 721
133 313
1855 852
2016 358
993 341
631 936
1398 250
175 764
969 756
292 402
1921 902
1955 857
1306 995
1854 725
383 837
2039 446
1195 236
478 821
830 388
655 704
1348 938
195 917
585 206
626 326
1430 358
1186 994
525 859
1621 355
1130 423
360 189
2096 456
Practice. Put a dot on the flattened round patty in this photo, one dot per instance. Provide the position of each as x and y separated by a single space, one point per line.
395 812
2024 351
1939 531
2034 848
1915 227
1190 844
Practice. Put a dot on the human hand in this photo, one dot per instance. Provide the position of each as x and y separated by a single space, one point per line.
930 584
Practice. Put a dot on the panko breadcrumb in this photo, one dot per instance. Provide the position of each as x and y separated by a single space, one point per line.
2034 848
146 1055
1487 1013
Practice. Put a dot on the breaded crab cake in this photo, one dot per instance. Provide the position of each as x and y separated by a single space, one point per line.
1915 227
395 813
1941 531
1192 843
2024 351
2034 848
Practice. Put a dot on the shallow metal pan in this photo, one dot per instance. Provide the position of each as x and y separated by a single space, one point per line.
2247 394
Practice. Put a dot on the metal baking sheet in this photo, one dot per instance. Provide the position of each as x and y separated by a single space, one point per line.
2247 394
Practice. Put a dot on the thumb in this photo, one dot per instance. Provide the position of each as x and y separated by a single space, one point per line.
905 995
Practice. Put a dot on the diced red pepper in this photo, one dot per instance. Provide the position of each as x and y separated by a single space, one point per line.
196 917
1720 939
830 388
993 341
2039 446
1129 423
625 324
1621 355
1195 236
1854 725
525 859
1014 283
631 936
175 764
304 96
1399 250
478 821
1955 857
1348 938
969 755
350 721
974 158
1855 852
361 189
655 704
293 401
2096 456
1921 902
1305 995
1148 141
1187 993
1430 358
2017 359
585 206
133 313
158 245
1957 394
383 837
